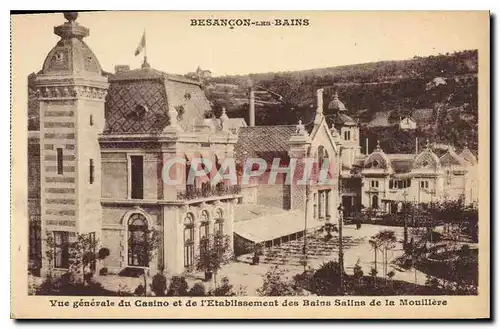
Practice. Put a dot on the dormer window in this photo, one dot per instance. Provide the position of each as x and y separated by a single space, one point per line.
347 135
59 56
140 110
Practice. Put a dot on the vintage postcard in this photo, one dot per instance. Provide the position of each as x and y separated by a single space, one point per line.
250 165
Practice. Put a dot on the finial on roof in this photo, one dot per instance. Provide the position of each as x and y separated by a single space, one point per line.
223 120
224 114
336 95
427 144
378 148
70 16
145 64
173 115
300 128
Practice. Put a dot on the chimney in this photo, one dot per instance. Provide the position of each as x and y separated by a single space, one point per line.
416 145
251 112
319 97
122 68
366 146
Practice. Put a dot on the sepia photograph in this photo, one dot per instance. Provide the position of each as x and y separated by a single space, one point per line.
251 164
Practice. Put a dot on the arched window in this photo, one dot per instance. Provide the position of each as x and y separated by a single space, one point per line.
219 230
137 240
219 223
375 202
321 156
189 241
204 230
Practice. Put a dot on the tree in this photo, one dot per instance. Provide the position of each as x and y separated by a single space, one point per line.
387 239
357 277
213 255
375 245
152 239
81 257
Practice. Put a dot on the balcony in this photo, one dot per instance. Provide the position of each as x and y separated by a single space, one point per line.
207 191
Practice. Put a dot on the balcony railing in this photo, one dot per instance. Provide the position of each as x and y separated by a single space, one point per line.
207 191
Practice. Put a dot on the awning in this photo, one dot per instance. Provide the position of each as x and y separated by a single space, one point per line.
268 228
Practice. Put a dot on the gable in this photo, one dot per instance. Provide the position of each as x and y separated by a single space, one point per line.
321 135
450 159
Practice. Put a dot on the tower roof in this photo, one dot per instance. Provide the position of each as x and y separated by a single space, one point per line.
139 101
336 104
71 55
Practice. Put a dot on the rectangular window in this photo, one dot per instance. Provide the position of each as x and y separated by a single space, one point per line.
347 135
61 254
391 184
91 169
424 184
137 177
59 161
374 183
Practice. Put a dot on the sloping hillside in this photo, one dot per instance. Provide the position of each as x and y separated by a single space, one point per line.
443 88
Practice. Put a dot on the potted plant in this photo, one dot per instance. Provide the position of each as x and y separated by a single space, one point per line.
329 228
257 253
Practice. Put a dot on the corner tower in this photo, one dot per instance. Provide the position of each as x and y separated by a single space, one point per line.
71 91
348 129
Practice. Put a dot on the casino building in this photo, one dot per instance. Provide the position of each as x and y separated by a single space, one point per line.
97 144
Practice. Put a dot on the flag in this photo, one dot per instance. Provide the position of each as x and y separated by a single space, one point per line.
141 45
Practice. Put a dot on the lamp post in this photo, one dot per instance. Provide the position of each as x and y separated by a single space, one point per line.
405 232
308 201
341 248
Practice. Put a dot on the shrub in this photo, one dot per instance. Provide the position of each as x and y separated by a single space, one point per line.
197 290
103 253
225 289
326 280
159 284
275 284
140 290
178 286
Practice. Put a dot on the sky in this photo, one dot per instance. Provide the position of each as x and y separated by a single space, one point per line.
331 39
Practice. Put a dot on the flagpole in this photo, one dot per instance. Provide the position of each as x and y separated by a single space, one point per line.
145 48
